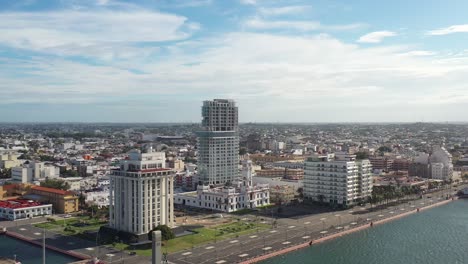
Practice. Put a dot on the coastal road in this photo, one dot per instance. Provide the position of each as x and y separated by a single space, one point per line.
81 246
290 231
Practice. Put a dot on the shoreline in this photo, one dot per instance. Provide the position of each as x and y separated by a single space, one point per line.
76 255
343 233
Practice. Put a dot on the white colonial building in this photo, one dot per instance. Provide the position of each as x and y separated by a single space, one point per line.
218 142
340 181
20 209
242 194
141 193
441 164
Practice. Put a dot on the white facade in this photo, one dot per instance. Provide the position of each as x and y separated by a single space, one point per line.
34 171
141 193
21 175
218 142
74 182
97 198
244 194
340 181
441 164
14 210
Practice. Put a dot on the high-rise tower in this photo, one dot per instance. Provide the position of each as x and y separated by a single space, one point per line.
141 193
218 142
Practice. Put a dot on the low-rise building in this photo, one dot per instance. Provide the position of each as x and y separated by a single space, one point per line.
242 194
290 174
63 201
34 171
282 194
9 160
20 209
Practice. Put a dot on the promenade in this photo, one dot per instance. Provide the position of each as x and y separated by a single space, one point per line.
289 234
295 233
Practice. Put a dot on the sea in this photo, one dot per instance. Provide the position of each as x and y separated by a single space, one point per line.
28 253
435 236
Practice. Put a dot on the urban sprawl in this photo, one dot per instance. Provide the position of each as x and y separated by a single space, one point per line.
217 181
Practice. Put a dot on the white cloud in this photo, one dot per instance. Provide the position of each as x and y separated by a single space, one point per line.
419 53
449 30
376 37
248 2
258 23
102 2
61 30
285 10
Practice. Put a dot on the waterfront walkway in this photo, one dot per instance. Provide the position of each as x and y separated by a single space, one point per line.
292 234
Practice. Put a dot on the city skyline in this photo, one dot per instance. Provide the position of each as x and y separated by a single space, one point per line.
281 61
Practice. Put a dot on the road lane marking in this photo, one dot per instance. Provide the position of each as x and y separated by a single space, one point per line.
273 231
38 234
186 253
90 249
267 248
210 247
253 236
243 255
23 229
286 243
323 232
234 241
306 237
220 262
291 226
306 223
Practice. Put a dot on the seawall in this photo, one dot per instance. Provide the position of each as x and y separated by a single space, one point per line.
29 240
343 233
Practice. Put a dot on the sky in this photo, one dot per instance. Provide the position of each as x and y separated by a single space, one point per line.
281 61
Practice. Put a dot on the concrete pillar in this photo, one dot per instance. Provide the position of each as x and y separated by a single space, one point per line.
156 253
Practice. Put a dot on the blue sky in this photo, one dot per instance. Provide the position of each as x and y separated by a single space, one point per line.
282 61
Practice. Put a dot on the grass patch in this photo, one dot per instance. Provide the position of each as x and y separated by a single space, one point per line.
73 226
202 236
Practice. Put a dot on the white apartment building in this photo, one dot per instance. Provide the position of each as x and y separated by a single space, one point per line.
9 160
34 171
441 164
339 181
141 193
218 142
242 194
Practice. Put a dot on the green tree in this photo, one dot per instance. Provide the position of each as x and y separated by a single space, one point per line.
56 184
5 173
384 149
242 151
166 232
362 155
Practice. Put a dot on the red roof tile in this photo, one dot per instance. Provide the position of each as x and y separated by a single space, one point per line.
16 204
50 190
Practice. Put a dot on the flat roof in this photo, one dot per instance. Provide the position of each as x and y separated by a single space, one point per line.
18 204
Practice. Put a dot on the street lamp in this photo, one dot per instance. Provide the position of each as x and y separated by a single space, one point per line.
339 218
323 222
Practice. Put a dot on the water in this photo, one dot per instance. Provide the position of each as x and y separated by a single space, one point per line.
435 236
28 253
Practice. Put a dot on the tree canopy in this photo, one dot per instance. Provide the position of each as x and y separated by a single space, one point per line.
166 232
56 184
362 155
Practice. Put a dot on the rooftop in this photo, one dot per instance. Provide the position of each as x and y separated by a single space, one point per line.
16 204
50 190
